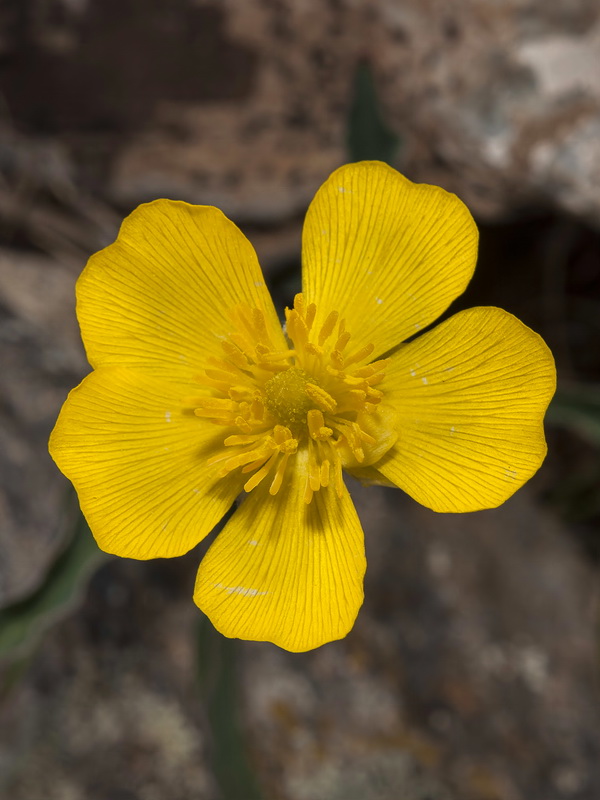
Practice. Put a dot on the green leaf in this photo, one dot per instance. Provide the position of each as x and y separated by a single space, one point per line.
368 136
218 683
577 407
22 624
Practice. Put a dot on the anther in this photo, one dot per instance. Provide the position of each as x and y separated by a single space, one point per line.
337 359
314 476
260 325
277 401
299 303
313 349
325 473
237 439
259 476
360 355
278 479
327 327
316 425
342 342
320 397
235 355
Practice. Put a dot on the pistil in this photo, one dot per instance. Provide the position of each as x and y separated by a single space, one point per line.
313 395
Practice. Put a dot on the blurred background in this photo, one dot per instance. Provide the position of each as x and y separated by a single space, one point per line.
472 671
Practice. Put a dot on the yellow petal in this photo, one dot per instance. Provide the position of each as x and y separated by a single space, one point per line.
284 572
138 462
156 299
388 254
470 396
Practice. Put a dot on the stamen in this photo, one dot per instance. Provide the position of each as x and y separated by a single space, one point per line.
244 345
342 341
338 480
320 397
327 327
278 479
231 441
299 303
282 355
255 464
313 349
243 425
257 409
240 393
297 328
215 404
337 359
246 458
359 355
235 355
260 326
220 364
218 375
281 434
271 401
222 386
316 425
259 476
325 473
314 475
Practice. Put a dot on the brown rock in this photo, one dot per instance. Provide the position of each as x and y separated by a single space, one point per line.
470 675
107 708
42 359
471 667
245 105
498 101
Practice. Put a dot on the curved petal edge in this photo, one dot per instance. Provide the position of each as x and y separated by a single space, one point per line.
471 396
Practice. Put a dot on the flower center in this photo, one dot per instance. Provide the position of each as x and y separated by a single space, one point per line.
318 395
286 397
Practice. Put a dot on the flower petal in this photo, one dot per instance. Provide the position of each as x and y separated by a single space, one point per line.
284 572
388 254
137 459
157 298
471 396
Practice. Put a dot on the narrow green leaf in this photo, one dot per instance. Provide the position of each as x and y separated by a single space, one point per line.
368 136
577 407
218 684
23 623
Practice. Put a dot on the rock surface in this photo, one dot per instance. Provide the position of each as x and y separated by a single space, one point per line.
105 709
473 661
246 105
471 672
470 675
498 101
42 359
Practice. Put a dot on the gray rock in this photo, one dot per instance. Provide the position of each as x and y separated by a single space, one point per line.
42 359
245 106
470 672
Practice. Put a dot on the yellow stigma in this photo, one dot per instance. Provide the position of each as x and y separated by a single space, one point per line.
286 397
319 395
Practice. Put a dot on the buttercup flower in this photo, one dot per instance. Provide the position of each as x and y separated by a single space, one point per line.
198 395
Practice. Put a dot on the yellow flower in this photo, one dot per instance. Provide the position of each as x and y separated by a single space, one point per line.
198 395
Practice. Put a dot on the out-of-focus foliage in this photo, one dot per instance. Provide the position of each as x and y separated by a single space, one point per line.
22 624
369 138
577 407
219 689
